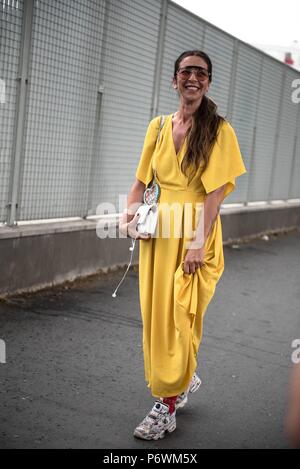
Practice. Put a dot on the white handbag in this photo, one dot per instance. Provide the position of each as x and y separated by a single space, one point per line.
148 216
148 212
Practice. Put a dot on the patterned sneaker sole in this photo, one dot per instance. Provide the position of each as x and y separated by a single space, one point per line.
156 436
195 386
182 403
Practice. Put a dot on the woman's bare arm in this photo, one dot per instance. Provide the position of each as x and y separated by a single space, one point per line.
134 199
211 210
195 252
128 222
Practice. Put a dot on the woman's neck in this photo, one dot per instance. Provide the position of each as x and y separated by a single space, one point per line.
186 111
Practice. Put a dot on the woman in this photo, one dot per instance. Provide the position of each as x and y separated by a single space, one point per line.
196 160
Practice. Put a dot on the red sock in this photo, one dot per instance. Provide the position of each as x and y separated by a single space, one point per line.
171 403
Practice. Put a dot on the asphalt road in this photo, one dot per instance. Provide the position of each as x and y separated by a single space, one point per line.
74 377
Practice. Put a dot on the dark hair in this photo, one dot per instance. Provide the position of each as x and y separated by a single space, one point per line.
205 124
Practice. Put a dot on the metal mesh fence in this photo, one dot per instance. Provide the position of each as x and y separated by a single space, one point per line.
61 112
11 14
79 88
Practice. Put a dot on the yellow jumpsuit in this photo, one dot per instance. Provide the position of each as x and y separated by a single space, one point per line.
173 303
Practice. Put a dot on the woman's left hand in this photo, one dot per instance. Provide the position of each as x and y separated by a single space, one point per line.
193 260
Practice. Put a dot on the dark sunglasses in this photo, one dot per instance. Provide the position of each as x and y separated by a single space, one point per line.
201 73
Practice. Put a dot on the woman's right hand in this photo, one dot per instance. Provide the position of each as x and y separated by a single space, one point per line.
129 229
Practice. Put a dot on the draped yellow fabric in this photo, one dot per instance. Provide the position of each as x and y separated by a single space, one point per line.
225 162
173 304
144 171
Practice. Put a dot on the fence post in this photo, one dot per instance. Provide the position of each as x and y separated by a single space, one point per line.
99 112
270 192
159 57
290 196
253 143
233 82
14 189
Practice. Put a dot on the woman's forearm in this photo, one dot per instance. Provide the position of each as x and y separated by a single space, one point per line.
134 199
212 205
208 216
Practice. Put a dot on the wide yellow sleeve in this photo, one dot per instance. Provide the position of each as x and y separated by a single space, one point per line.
144 170
225 162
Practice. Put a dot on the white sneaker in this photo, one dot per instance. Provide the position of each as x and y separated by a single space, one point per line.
193 387
156 423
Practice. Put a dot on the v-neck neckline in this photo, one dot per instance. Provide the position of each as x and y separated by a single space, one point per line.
183 142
